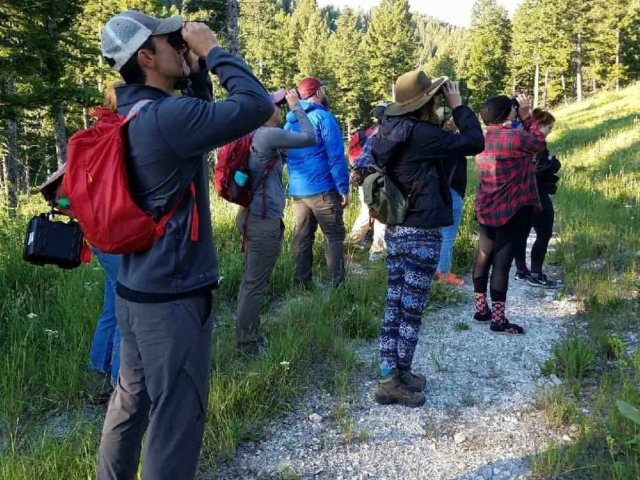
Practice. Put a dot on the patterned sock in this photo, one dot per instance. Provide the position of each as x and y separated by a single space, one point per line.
481 304
497 315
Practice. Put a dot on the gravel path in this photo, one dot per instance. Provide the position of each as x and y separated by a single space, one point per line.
479 421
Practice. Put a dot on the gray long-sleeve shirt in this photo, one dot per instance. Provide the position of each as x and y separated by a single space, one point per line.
166 143
267 143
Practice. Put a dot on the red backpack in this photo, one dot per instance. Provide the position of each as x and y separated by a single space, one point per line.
234 157
97 186
355 145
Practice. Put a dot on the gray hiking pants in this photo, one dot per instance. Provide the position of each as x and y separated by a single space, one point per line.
324 210
263 247
165 358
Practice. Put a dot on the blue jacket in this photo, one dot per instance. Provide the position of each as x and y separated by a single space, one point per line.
323 167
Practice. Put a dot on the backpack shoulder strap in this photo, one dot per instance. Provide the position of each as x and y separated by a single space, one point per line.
267 170
136 109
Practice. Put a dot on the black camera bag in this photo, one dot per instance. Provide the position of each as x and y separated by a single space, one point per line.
50 242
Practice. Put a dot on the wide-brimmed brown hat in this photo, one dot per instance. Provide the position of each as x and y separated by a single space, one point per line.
413 91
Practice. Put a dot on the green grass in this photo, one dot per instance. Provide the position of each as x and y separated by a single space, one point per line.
572 360
598 219
461 327
48 316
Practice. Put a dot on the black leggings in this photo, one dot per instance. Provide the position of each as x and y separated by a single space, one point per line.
496 248
542 222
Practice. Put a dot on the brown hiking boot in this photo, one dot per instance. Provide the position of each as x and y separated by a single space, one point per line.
391 390
414 382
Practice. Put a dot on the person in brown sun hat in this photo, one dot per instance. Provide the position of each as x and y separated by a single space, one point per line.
411 147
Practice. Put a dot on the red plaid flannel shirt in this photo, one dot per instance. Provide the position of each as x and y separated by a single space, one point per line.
507 172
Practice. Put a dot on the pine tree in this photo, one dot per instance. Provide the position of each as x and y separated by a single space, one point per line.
490 45
614 15
312 50
389 46
347 63
258 31
630 41
434 36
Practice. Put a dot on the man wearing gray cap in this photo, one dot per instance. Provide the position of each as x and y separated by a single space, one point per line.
163 300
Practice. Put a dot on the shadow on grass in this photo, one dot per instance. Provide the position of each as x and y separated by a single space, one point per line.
577 138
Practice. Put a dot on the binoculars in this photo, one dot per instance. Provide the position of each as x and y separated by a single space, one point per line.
175 40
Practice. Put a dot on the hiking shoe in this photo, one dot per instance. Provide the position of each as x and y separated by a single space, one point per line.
482 318
541 280
506 328
414 382
522 274
449 279
391 390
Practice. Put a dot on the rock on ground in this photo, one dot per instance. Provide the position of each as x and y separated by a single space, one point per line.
479 421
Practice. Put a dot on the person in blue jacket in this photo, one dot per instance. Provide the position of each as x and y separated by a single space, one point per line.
319 185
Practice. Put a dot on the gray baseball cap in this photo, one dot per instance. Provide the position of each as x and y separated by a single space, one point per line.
124 34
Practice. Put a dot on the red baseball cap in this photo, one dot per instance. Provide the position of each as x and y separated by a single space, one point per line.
309 86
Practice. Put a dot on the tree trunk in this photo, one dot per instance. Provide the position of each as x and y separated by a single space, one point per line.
579 68
100 57
564 89
85 110
618 59
536 85
546 88
60 133
27 178
393 84
594 85
10 163
232 25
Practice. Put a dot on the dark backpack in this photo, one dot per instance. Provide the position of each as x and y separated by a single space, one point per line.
387 204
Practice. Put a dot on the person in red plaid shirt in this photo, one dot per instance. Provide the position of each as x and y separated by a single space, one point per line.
506 199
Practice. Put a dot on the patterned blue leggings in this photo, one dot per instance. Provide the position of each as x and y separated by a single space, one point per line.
412 259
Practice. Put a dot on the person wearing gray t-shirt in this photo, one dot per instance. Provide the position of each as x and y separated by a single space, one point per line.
261 223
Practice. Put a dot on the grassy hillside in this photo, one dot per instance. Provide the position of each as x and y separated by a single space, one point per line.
49 428
598 220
